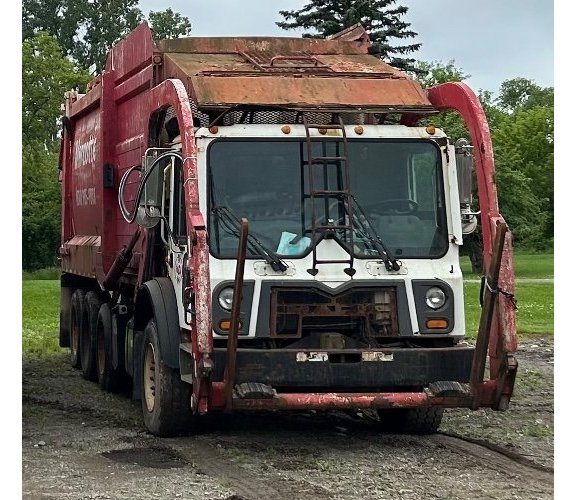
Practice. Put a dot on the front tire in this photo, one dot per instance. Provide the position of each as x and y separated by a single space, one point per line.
166 400
424 420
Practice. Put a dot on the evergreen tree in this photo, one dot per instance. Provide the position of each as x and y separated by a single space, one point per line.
381 19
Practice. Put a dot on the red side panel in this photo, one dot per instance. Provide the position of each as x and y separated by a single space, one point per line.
107 135
131 53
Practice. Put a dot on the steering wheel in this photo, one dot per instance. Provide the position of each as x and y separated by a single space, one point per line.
398 206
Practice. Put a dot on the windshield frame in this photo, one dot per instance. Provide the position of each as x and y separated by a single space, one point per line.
440 185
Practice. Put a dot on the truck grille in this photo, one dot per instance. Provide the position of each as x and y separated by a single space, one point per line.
370 311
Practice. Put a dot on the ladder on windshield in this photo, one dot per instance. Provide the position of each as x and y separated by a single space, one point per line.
342 195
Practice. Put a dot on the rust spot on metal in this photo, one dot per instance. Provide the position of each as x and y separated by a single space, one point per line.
329 401
294 309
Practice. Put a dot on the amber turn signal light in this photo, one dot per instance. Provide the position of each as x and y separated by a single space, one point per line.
436 324
225 324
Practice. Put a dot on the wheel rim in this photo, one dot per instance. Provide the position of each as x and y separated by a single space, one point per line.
150 377
101 351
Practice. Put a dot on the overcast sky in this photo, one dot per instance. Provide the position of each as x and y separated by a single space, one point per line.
491 40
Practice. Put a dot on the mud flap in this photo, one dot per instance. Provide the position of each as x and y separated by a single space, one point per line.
65 305
118 340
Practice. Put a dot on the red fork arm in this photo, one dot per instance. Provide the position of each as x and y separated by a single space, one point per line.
231 348
457 96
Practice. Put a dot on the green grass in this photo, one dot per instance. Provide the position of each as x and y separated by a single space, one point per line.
535 308
525 266
49 273
40 317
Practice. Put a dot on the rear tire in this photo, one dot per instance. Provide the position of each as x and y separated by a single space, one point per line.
166 400
424 420
108 376
90 310
76 307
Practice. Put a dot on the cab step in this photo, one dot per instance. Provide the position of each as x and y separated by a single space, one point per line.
444 388
254 390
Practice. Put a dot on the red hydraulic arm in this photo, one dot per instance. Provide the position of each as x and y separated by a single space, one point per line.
172 92
457 96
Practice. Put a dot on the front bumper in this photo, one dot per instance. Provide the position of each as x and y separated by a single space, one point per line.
399 369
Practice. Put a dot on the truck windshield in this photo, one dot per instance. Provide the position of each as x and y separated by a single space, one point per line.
397 183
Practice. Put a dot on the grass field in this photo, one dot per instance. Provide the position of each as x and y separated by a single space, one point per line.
535 300
40 304
40 317
528 266
535 308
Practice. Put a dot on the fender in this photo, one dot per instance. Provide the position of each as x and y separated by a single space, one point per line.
160 291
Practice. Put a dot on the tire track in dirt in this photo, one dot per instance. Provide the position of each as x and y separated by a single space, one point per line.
495 456
206 458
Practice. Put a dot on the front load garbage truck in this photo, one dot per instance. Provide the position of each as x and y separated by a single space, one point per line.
274 224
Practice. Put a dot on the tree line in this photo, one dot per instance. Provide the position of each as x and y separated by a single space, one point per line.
65 43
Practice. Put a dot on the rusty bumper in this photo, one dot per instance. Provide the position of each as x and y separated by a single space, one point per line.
392 378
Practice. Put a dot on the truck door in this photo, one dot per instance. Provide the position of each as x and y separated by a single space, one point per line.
174 233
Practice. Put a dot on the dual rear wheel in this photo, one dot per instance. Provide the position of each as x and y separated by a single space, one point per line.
91 339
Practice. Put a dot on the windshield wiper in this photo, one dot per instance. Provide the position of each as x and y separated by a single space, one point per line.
232 224
368 231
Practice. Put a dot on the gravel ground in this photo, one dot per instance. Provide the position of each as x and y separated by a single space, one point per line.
79 442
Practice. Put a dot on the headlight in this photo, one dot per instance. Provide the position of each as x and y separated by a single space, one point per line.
435 298
225 298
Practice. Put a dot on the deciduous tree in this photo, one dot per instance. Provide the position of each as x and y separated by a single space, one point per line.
46 75
168 24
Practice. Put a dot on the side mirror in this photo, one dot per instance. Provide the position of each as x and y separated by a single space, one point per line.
464 170
150 210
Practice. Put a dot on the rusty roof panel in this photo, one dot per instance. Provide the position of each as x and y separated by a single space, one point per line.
278 46
359 63
289 72
309 92
266 62
192 64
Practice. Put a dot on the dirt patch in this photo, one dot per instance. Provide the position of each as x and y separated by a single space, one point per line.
79 442
153 457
